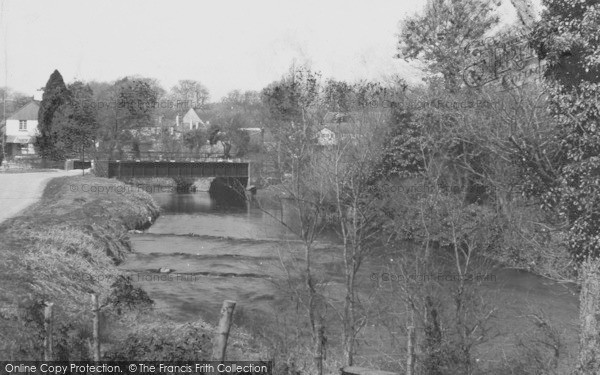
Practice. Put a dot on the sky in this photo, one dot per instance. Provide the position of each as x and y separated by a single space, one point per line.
225 44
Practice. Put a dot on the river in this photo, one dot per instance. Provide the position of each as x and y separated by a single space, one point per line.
219 251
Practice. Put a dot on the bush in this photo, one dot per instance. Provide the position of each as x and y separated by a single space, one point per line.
163 341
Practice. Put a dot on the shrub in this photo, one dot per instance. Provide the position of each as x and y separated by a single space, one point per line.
163 340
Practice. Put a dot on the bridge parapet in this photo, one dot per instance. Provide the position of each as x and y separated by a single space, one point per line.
133 169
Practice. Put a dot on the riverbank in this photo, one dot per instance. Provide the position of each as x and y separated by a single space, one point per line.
67 246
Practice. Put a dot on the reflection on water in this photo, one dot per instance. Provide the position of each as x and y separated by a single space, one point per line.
184 203
200 214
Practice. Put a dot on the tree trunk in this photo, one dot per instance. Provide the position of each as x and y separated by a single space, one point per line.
410 351
349 317
319 341
589 318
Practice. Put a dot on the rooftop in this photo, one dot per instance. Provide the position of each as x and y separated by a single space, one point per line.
28 112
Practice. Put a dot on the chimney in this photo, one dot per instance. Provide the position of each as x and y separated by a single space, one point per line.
177 121
38 95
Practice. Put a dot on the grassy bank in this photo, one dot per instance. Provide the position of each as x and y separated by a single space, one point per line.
67 246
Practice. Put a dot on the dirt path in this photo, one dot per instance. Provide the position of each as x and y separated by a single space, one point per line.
19 190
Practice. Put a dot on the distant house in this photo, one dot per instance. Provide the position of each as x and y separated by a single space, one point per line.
326 137
337 127
160 127
192 121
22 130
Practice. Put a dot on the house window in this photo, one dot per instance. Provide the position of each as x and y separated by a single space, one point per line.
22 125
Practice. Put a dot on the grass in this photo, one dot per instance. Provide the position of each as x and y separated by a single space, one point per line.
67 246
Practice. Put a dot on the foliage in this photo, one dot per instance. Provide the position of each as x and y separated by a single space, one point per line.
438 37
241 140
293 115
67 122
192 93
164 341
137 98
123 295
568 37
194 139
55 100
124 108
76 122
12 99
213 133
406 146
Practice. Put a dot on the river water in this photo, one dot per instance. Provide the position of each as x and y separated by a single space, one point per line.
221 251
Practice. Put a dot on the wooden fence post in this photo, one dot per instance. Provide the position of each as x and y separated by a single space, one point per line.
410 348
48 331
95 324
319 348
220 344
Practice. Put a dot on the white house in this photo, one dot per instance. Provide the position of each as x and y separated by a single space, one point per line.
22 130
326 137
338 127
192 121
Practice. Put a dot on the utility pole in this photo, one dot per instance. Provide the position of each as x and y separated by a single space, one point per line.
2 12
3 130
4 126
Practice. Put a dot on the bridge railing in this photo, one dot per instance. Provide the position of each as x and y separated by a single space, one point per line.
168 156
142 169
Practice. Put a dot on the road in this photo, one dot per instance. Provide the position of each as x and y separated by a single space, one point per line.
19 190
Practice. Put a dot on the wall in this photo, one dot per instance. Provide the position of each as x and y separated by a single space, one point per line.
12 128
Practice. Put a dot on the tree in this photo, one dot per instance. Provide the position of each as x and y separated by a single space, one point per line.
358 209
293 115
56 95
80 131
12 99
190 93
338 95
234 113
125 107
294 112
569 38
194 139
438 37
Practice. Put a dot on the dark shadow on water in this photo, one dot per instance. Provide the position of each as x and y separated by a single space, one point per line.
184 202
228 192
200 202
